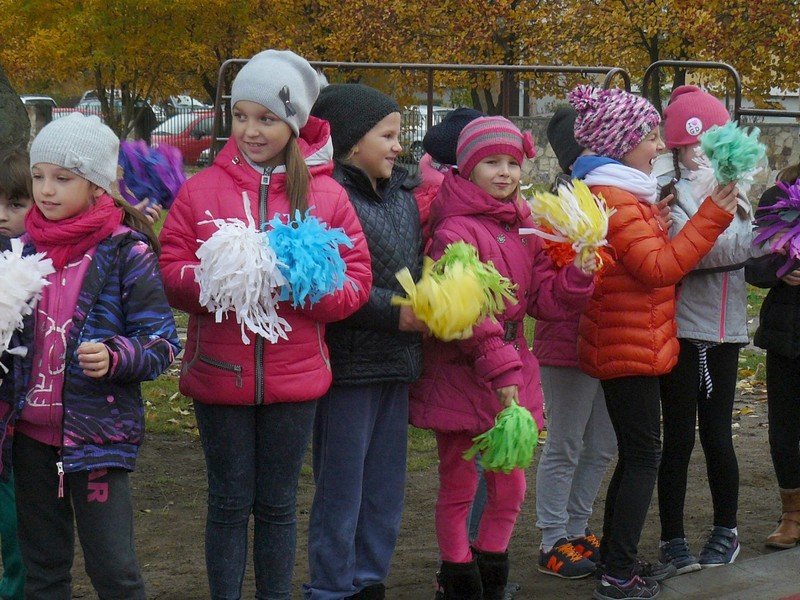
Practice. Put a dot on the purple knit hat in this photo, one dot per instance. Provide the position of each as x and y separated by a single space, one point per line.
611 122
486 136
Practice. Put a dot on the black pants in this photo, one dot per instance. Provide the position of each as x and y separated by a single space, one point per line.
783 397
634 407
100 502
684 403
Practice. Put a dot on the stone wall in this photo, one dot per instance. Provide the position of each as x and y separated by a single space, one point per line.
782 141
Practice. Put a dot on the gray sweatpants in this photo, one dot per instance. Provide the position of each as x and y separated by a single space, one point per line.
580 444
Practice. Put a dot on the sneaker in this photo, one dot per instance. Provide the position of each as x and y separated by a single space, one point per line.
564 561
656 571
634 588
722 548
676 552
587 546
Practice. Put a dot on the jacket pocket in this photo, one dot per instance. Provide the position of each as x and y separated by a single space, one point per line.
225 366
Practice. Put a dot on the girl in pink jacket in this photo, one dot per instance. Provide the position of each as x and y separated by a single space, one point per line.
466 383
255 401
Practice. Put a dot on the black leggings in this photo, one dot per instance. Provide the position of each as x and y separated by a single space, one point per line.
783 392
683 402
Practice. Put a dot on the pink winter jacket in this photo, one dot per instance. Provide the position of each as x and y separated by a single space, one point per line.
217 367
456 392
555 342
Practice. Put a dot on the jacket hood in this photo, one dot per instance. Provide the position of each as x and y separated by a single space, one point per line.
315 145
460 197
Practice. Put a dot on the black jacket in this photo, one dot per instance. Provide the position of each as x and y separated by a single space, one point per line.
367 347
779 320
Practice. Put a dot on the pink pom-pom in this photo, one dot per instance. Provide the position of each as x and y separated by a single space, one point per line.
527 144
584 97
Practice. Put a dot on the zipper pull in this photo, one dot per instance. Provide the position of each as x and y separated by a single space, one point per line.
60 469
266 176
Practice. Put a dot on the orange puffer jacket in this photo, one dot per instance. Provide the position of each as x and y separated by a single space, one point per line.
629 326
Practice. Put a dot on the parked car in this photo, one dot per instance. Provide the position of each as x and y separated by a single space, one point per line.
414 126
190 132
32 99
182 103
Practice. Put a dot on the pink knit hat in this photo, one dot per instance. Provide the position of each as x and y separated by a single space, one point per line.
486 136
611 122
691 112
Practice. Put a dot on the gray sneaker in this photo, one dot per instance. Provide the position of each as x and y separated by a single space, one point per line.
722 548
676 552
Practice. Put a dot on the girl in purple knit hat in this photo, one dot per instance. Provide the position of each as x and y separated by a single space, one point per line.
627 334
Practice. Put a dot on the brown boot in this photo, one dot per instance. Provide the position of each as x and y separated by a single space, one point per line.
787 535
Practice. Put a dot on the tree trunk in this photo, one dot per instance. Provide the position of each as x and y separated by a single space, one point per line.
15 127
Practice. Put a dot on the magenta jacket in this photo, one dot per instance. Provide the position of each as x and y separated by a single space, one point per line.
456 392
217 367
555 341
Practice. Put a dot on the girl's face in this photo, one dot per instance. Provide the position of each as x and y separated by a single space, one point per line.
61 194
376 152
687 156
260 134
643 155
498 175
12 215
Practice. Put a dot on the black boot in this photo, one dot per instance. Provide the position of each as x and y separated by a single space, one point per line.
460 581
376 591
493 567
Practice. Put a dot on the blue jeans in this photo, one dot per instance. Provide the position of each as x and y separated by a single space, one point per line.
360 440
253 456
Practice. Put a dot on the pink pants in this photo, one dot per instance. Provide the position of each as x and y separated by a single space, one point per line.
458 480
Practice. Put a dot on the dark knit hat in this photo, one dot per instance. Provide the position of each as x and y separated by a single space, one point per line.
561 135
440 141
352 109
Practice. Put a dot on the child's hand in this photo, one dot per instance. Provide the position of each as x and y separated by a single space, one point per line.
725 197
587 265
410 322
151 211
792 278
506 394
94 359
664 214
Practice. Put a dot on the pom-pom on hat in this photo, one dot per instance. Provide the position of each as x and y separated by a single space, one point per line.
352 109
80 143
561 135
691 112
611 122
280 81
486 136
440 140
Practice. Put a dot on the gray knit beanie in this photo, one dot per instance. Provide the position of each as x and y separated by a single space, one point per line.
81 144
280 81
352 109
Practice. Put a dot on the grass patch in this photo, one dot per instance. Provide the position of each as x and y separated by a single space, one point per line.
752 365
422 454
166 410
755 296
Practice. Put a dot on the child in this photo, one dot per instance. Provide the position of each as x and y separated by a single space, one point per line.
16 199
626 336
712 325
360 432
467 382
255 402
580 440
100 328
779 334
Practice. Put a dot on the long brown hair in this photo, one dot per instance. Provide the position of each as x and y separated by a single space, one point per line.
137 221
789 174
671 188
298 177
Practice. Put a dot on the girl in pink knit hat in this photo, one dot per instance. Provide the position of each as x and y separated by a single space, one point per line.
465 383
712 326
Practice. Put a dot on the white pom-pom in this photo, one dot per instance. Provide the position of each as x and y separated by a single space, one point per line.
23 280
239 272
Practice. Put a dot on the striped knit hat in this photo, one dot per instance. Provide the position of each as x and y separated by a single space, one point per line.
486 136
611 122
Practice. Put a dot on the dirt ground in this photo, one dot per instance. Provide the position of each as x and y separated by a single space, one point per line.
170 487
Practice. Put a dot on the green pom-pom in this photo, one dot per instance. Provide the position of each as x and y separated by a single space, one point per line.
497 289
509 444
733 153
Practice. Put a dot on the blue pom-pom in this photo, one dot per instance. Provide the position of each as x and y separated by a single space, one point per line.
148 173
733 153
309 257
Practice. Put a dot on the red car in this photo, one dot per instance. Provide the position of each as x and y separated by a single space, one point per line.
189 132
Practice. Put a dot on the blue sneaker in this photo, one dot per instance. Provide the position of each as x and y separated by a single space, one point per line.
676 552
722 548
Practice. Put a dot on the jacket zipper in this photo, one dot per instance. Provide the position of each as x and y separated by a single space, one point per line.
263 193
724 307
225 366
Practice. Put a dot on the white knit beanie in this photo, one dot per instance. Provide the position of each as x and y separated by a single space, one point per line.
81 144
282 82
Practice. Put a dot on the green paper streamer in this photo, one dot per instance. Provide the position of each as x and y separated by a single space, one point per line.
509 444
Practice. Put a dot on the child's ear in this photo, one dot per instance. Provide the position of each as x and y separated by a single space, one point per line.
97 191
